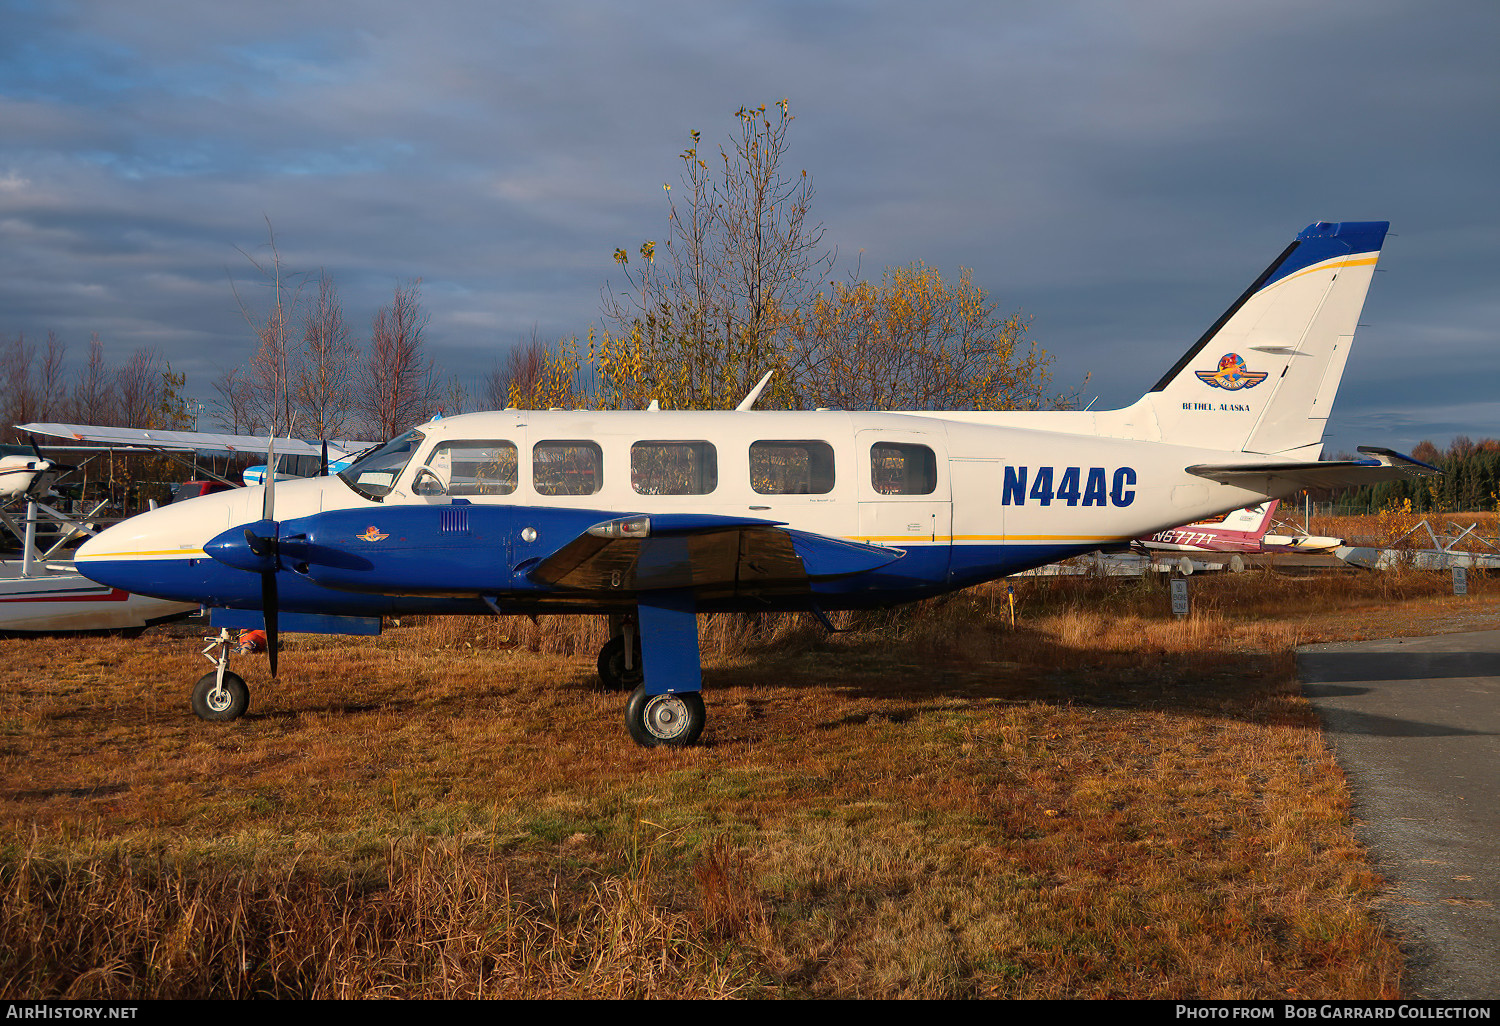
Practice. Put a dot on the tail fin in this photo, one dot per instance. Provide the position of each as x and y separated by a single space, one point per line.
1239 531
1264 377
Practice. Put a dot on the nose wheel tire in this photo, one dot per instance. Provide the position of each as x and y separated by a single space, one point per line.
216 704
673 720
612 672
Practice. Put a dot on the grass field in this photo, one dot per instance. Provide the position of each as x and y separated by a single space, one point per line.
1100 801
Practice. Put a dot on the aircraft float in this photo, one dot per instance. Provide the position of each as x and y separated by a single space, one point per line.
652 517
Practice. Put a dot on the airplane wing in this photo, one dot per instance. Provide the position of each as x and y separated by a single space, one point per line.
697 551
461 550
191 441
1382 465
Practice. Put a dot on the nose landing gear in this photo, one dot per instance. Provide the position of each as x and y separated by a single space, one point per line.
220 695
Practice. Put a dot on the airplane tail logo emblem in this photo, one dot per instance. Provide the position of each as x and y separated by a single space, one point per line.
372 533
1232 374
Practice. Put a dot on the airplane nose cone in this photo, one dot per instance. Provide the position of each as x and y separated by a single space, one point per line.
136 554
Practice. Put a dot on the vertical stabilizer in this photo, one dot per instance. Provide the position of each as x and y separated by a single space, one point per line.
1264 377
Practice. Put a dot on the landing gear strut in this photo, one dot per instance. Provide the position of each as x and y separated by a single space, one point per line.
666 707
220 695
620 667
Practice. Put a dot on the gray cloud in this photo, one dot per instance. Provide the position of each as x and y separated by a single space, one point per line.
1119 171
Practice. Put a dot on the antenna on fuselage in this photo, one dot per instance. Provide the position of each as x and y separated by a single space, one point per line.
755 392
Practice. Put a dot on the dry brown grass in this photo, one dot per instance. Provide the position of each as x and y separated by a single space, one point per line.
1102 801
1389 526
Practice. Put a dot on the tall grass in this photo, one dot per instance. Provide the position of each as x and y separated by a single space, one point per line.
1099 800
442 922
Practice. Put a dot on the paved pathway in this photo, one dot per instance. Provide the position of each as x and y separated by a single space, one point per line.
1415 724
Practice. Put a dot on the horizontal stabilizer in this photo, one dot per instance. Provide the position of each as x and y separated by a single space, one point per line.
1286 477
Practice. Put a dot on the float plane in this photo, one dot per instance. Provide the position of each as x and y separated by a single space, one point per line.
651 517
1243 530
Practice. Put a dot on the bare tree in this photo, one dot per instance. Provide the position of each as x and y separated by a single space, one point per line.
271 368
138 386
397 386
52 385
454 398
235 406
19 401
699 327
94 399
520 373
326 368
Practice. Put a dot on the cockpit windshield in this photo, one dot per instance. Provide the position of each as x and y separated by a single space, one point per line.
374 474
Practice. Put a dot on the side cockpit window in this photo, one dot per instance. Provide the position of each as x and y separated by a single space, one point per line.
374 474
791 467
900 468
469 467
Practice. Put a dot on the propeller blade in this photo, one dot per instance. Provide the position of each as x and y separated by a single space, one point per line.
268 502
265 548
325 457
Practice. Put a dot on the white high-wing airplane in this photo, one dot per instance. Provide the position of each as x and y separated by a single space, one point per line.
654 516
295 457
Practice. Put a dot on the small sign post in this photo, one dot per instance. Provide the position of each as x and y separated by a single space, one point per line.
1179 597
1460 580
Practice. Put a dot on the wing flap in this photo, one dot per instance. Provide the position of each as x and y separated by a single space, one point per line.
704 552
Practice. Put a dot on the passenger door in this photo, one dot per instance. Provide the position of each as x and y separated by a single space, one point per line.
905 494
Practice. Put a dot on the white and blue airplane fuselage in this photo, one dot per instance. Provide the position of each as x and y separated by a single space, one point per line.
656 515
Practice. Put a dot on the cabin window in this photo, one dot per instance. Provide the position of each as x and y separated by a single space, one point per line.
299 466
674 468
791 468
479 467
899 468
567 467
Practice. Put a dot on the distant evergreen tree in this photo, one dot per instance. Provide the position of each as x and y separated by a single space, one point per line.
1470 481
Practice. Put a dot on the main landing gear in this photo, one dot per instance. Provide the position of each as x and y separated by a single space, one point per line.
220 695
620 658
655 653
675 720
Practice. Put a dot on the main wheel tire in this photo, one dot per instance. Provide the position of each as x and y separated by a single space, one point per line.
612 672
674 720
217 706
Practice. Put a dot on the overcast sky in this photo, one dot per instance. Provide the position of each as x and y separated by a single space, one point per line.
1120 172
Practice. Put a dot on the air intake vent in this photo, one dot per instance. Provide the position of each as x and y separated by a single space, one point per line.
455 520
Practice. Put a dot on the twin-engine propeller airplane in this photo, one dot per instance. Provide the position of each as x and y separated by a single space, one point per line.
651 517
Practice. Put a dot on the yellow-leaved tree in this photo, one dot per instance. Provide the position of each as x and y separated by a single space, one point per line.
915 341
736 290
